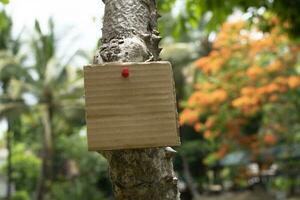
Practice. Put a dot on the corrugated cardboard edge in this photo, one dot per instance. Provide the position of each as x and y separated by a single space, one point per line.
136 147
127 63
178 143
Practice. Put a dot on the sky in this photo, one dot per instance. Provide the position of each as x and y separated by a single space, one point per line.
77 23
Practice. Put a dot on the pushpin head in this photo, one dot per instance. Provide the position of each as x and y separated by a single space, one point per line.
125 72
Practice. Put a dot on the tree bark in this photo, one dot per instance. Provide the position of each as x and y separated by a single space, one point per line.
46 167
130 35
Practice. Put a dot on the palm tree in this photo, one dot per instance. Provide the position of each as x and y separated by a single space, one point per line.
55 88
11 107
58 90
10 98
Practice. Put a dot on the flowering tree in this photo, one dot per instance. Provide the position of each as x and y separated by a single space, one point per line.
245 91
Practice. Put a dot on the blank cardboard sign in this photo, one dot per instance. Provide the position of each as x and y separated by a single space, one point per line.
130 105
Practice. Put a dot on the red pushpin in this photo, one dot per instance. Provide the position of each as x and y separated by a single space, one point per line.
125 72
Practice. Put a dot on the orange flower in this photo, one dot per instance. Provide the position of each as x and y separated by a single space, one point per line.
200 99
210 122
202 62
220 95
270 139
273 87
295 49
199 127
286 25
204 86
254 72
273 98
282 80
274 20
208 134
238 102
262 90
275 66
294 81
245 101
248 91
188 116
216 65
250 110
225 53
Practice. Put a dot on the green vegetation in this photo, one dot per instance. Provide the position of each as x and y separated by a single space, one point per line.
237 84
42 102
208 15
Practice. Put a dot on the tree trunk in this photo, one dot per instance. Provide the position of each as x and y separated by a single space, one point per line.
189 180
130 35
46 167
9 164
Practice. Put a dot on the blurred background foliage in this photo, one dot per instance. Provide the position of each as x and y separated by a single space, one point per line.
236 66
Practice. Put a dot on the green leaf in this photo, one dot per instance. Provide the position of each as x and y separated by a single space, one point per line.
4 1
210 159
3 22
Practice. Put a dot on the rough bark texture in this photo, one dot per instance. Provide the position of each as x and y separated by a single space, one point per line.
130 35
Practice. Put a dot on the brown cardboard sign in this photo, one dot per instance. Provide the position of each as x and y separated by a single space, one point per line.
130 105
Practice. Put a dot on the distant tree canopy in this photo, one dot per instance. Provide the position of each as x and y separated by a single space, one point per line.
217 11
3 17
5 30
4 1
